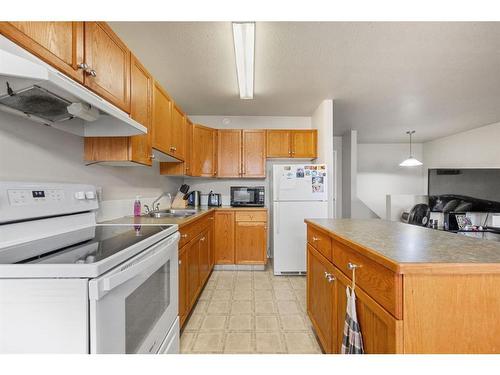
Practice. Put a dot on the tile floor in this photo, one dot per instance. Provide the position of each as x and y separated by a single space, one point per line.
250 312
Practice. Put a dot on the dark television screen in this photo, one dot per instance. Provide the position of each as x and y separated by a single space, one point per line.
464 190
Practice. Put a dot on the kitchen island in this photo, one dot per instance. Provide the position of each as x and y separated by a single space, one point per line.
418 290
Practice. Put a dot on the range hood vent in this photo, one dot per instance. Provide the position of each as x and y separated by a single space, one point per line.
33 89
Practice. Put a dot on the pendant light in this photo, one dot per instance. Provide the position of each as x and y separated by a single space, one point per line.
411 161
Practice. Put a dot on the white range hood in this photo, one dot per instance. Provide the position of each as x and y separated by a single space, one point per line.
33 89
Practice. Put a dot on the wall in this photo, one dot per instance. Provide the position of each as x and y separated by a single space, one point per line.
322 119
34 152
379 174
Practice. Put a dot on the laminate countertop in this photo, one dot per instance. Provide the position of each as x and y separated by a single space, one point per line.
402 243
180 221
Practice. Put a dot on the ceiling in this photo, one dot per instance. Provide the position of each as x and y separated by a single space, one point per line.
437 78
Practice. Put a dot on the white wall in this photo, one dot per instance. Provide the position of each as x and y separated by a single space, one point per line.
322 119
379 174
34 152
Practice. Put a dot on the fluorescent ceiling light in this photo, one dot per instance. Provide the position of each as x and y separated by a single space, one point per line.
244 46
411 161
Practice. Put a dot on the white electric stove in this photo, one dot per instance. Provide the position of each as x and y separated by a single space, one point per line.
69 285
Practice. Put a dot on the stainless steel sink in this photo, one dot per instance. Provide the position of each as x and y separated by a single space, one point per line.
171 213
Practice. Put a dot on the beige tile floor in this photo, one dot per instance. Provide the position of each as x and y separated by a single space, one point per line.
250 312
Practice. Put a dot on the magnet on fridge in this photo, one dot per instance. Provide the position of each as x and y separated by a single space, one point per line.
300 173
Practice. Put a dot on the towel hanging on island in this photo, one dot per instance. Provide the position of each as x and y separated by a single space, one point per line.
352 341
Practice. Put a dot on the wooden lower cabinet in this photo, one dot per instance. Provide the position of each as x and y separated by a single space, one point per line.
224 237
204 249
193 272
322 299
250 242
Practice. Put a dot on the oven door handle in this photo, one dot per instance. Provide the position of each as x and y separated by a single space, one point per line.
154 257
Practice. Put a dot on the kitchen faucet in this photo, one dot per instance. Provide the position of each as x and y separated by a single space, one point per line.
155 206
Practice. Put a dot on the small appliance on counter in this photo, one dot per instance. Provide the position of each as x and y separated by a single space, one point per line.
180 199
417 215
247 196
194 198
214 199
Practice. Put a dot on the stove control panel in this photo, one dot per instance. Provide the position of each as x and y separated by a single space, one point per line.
23 200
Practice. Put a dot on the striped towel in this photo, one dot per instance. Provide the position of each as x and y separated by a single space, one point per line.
352 341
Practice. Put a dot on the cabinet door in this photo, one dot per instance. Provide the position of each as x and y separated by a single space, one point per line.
211 243
141 108
278 144
381 332
177 133
59 44
193 271
204 256
183 281
108 60
188 145
304 143
162 116
224 237
229 153
254 153
321 299
250 244
204 151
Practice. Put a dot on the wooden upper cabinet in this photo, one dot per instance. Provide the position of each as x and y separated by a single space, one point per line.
278 144
177 133
254 153
229 153
141 110
134 149
322 299
304 144
204 152
108 60
162 118
224 237
300 144
60 44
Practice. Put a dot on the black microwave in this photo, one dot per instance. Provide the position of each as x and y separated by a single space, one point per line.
247 196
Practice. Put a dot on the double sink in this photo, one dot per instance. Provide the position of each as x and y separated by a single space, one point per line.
170 213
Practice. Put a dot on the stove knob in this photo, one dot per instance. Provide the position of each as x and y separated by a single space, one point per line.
80 195
90 195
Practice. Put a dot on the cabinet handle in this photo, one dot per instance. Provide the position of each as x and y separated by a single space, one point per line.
210 218
91 72
152 156
315 239
180 261
184 235
331 278
82 66
352 266
202 239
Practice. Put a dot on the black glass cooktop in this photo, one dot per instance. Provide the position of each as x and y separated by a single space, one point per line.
94 244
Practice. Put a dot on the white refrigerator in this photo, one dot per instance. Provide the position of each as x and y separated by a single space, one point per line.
299 191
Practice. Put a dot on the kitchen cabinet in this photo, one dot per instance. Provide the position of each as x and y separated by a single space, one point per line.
304 144
278 144
176 133
300 144
250 242
204 249
254 153
108 65
229 146
380 330
193 272
224 237
181 168
60 44
204 151
322 299
162 118
183 282
128 150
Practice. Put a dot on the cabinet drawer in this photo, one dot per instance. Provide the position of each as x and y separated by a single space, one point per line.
251 216
380 283
320 241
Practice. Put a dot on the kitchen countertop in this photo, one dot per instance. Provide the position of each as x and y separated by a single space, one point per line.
180 221
401 243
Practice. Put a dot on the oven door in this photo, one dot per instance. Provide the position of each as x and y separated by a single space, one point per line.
133 306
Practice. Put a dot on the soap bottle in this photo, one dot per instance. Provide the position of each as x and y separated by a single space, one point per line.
137 206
